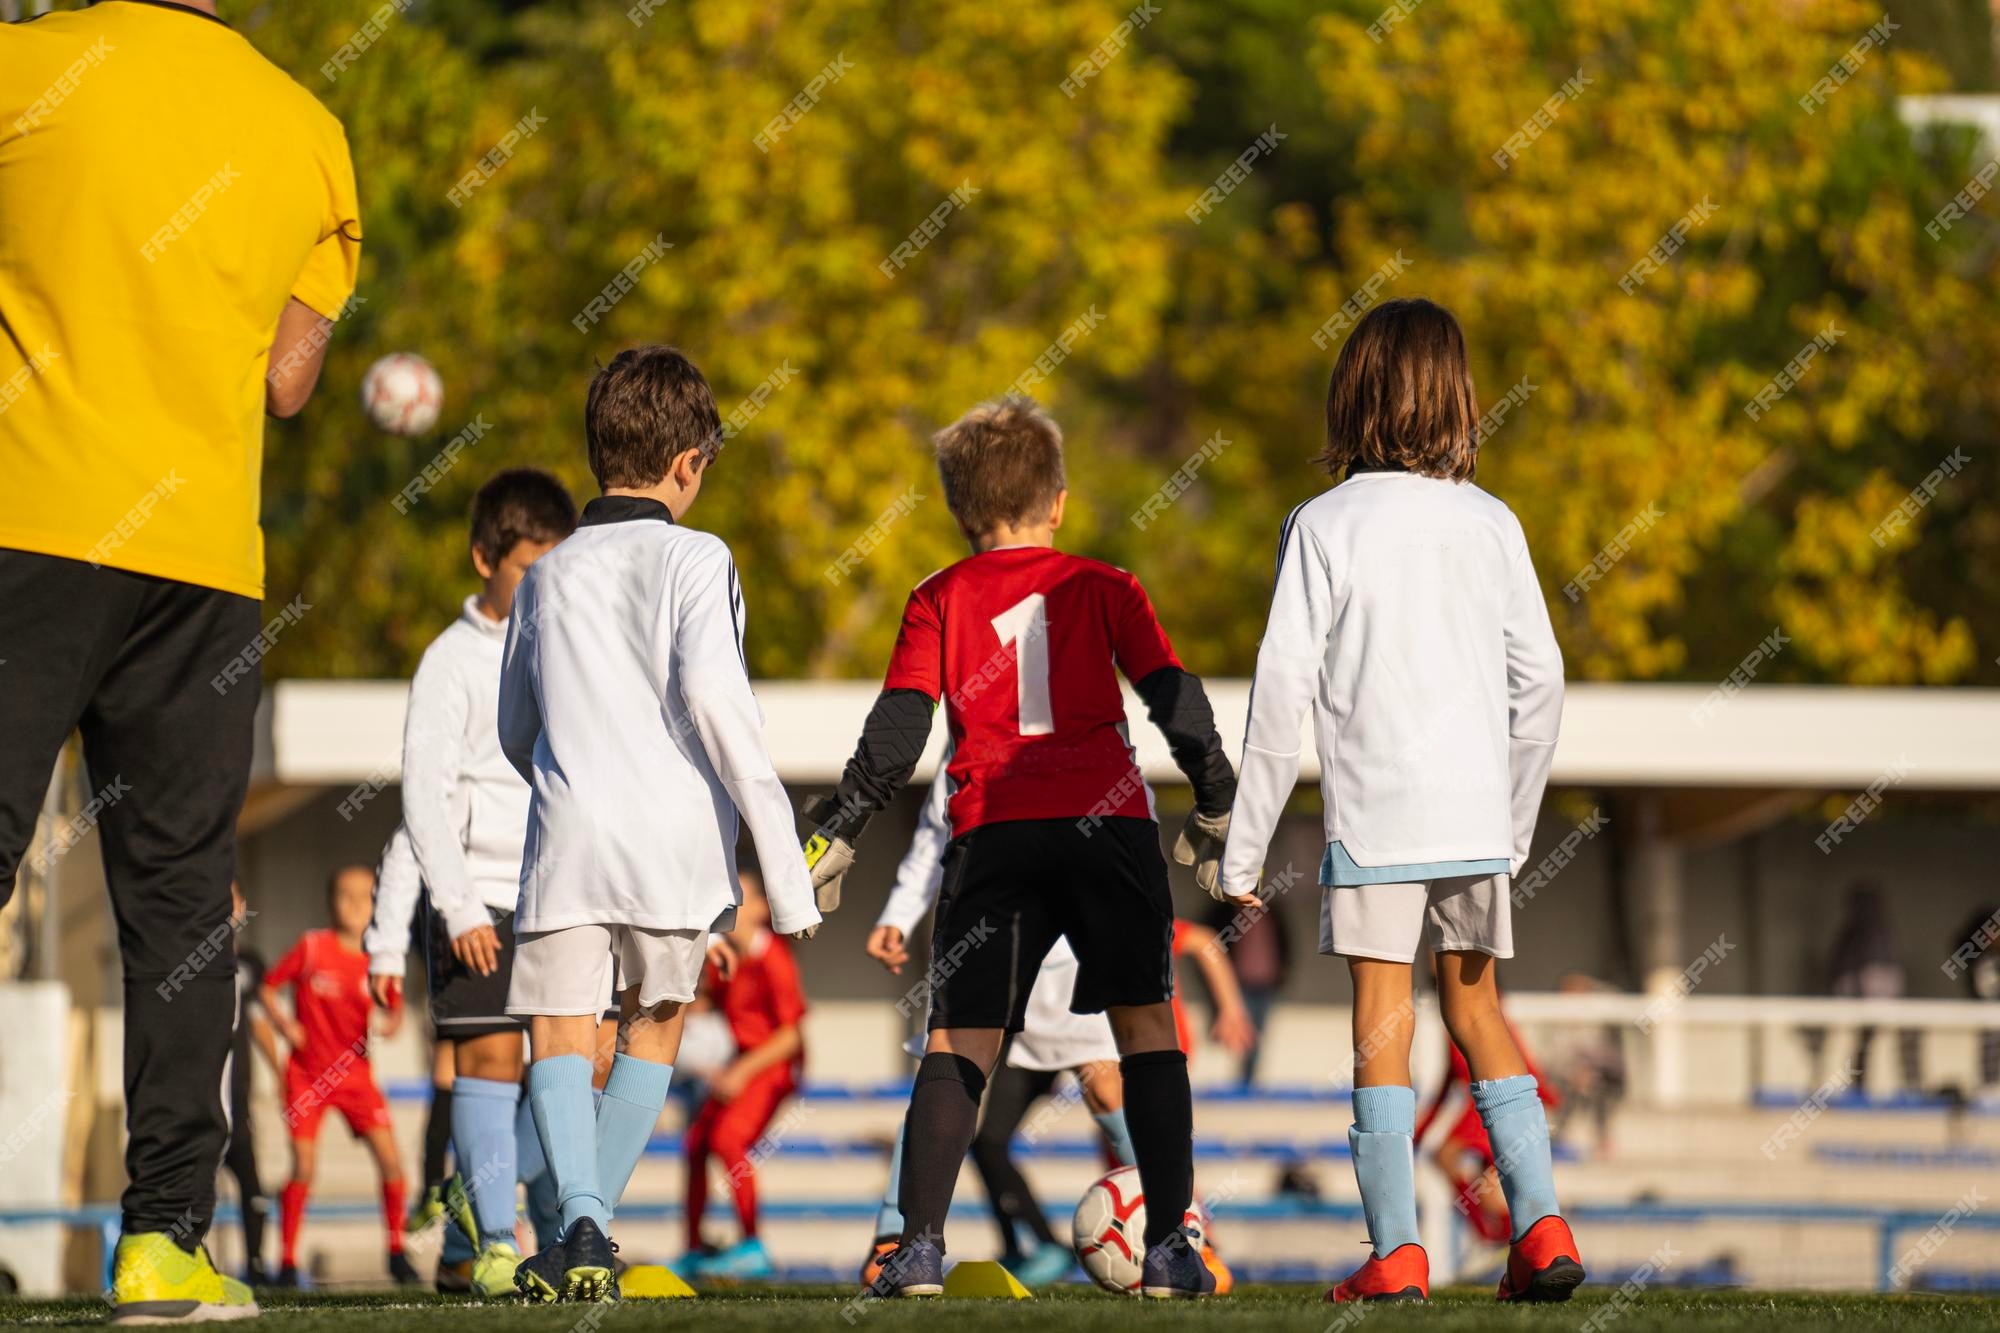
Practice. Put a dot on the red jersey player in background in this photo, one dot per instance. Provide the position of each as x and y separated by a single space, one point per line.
327 1030
1053 833
763 1003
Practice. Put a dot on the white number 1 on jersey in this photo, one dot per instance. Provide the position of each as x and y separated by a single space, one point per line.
1025 624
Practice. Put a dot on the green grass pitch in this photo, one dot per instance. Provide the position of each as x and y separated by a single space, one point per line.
1079 1310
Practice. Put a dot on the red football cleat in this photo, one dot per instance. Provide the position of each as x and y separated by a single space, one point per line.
1404 1274
873 1268
1543 1265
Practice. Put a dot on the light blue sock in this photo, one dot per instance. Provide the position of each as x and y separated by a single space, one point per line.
626 1115
1115 1129
543 1214
559 1092
1385 1122
1512 1113
482 1132
889 1217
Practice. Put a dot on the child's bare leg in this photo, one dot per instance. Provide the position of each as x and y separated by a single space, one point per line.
1104 1094
389 1166
1384 1021
650 1033
1503 1090
649 1038
979 1045
1385 1106
1470 1000
607 1047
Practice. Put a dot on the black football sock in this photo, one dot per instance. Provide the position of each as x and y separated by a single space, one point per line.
437 1136
1159 1111
944 1109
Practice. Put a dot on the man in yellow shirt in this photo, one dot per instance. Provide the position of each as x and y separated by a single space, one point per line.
178 231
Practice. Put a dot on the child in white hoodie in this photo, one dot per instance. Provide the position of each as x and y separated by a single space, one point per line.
625 703
1408 619
465 811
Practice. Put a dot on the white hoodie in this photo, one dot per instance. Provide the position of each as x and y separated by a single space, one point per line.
625 701
1408 619
465 806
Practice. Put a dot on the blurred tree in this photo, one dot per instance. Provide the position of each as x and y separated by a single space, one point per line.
1190 349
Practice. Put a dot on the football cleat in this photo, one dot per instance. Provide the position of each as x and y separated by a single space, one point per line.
428 1208
457 1205
453 1279
1403 1274
873 1268
539 1277
915 1268
493 1271
745 1261
592 1263
400 1271
1543 1265
155 1281
1050 1262
1174 1270
1225 1281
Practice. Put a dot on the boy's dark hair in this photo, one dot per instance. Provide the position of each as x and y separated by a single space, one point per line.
520 504
1000 462
1401 395
645 409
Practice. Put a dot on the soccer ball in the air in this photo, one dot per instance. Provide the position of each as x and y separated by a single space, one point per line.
1110 1231
402 394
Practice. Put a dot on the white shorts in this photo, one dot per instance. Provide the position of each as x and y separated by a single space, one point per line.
1052 1038
572 970
1465 913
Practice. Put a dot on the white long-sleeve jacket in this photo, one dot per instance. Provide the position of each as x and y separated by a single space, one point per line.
465 807
920 874
398 885
1407 617
626 704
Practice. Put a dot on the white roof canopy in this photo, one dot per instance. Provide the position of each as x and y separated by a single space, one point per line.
341 733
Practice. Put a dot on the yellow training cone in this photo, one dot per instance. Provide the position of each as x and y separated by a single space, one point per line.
984 1278
651 1282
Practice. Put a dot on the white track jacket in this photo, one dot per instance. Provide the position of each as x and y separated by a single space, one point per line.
1407 617
626 704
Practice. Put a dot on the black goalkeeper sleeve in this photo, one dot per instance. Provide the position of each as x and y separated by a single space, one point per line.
892 741
1178 706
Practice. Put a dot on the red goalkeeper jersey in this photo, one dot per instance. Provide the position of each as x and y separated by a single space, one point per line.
1024 646
329 995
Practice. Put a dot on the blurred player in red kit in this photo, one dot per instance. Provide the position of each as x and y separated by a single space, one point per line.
763 1003
327 1030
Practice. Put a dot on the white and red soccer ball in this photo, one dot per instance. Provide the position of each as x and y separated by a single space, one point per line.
1109 1231
402 394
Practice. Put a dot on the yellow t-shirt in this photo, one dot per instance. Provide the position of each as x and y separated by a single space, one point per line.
163 190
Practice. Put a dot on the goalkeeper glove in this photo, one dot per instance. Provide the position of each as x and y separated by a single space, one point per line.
827 858
1200 846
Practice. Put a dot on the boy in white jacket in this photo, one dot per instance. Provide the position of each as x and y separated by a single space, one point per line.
1408 619
625 702
464 811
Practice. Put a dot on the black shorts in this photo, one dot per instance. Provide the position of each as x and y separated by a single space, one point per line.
463 1003
1010 889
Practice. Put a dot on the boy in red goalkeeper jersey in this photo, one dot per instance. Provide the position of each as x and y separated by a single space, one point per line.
1053 831
763 1003
327 1030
